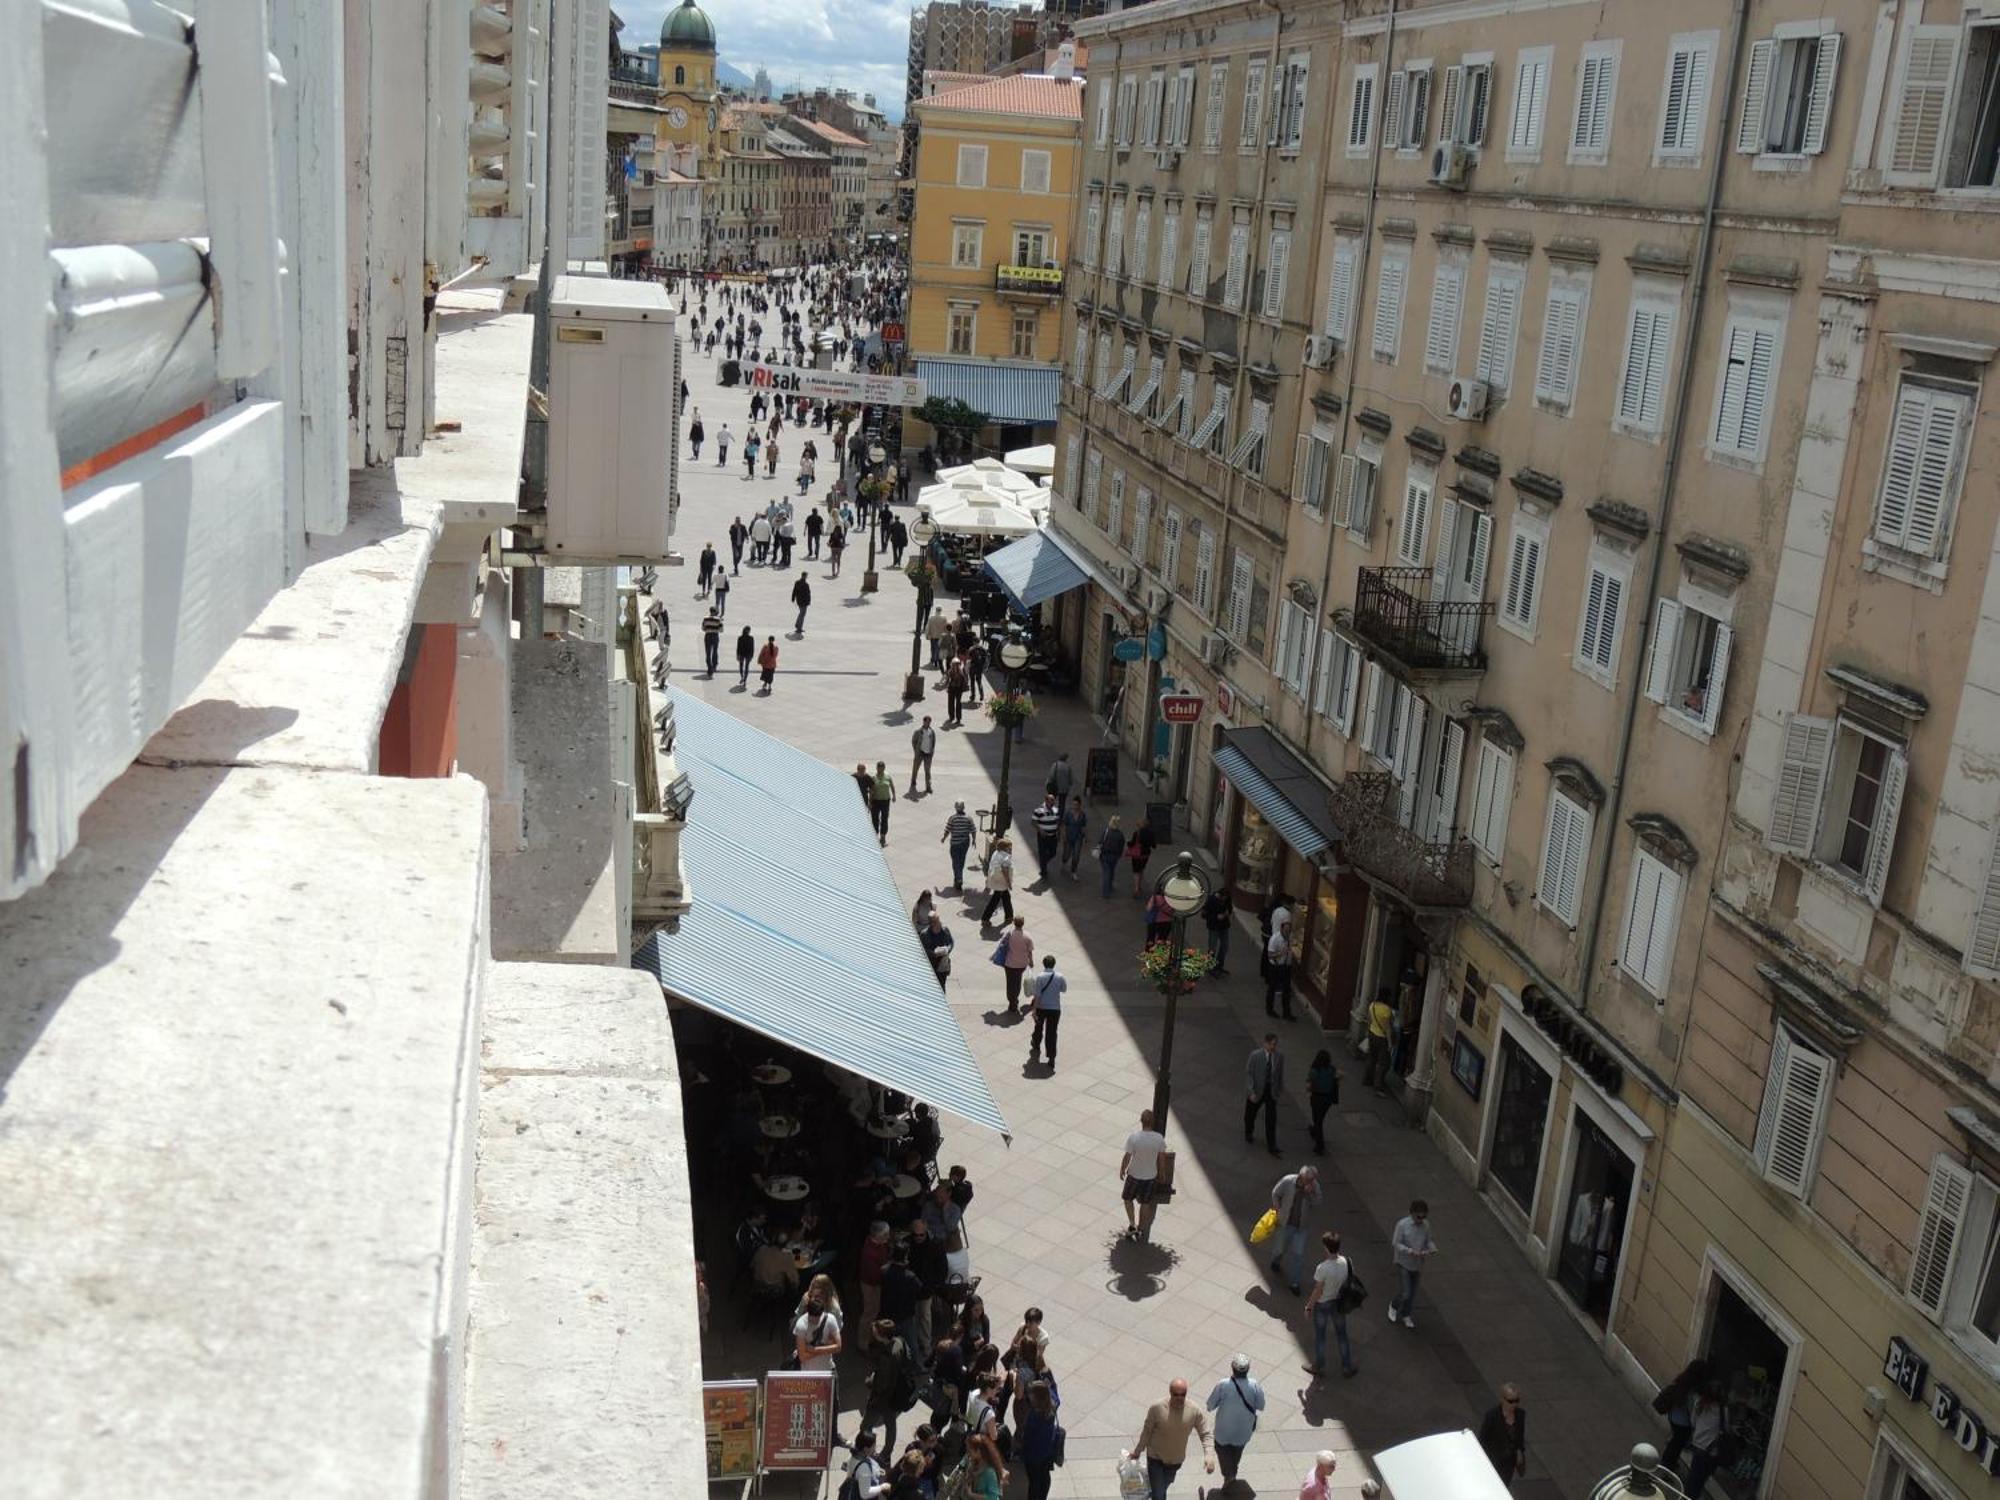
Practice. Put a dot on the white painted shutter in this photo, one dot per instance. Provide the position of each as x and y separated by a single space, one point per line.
1531 91
1346 680
1241 578
1322 671
1361 111
1238 267
1476 560
1568 829
1523 565
1687 101
1441 339
1253 105
1492 799
1796 1092
1819 104
1371 705
1343 488
1454 89
1940 1230
1415 524
1451 762
1441 560
1590 133
1361 507
1274 273
1218 89
1916 137
1660 660
1920 469
1982 948
1555 369
1756 97
1389 305
1392 108
1642 386
1652 915
1340 289
587 25
1302 469
1718 678
1198 258
1795 802
1410 758
1882 834
1204 569
1497 328
1170 248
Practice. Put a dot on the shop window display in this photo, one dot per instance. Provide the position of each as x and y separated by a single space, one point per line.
1747 1357
1521 1115
1593 1219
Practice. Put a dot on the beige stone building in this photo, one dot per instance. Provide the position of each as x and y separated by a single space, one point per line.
1556 473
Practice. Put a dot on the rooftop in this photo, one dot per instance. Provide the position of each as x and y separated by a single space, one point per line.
1041 97
831 135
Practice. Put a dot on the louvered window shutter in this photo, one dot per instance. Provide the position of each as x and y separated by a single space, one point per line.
1593 616
1389 306
1795 1099
1718 678
1756 97
1322 672
1451 765
1819 104
1371 707
1513 603
1274 273
1982 949
1646 873
1916 139
1940 1229
1795 801
1392 109
1441 560
1496 332
1343 489
1882 834
1441 338
1454 90
1555 368
1660 660
1477 555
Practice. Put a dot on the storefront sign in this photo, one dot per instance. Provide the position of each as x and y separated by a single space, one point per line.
1181 708
1225 699
892 333
840 385
1128 648
1907 1370
729 1417
798 1419
1028 278
1156 642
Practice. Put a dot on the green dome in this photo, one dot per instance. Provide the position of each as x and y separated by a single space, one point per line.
687 28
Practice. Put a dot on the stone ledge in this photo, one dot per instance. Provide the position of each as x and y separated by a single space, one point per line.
235 1038
584 1347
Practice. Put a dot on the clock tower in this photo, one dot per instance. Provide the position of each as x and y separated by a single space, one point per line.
687 79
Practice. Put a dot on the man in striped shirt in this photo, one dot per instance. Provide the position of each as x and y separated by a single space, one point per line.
958 831
1048 828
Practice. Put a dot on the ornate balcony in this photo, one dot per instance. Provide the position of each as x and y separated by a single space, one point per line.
1393 609
1422 872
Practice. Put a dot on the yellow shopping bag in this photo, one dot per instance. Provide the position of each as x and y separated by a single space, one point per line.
1265 1227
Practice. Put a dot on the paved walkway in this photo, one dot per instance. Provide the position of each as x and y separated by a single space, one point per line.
1046 1224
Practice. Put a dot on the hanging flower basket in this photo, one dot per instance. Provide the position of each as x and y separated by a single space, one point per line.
1165 966
922 571
1008 708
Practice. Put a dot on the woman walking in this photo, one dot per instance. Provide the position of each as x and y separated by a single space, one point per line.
1323 1091
767 664
696 432
1139 849
835 545
1110 849
999 881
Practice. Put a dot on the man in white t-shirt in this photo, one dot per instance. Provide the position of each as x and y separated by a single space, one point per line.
1140 1170
1328 1302
816 1335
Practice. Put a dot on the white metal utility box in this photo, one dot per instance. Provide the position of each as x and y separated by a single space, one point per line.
614 445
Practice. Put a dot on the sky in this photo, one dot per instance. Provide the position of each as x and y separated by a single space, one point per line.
858 44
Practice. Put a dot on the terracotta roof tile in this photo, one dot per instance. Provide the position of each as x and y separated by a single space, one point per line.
1024 95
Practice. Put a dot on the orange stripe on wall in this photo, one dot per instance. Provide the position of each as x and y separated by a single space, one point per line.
138 443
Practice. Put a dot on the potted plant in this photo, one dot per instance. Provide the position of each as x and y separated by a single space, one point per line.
921 571
1010 707
1171 968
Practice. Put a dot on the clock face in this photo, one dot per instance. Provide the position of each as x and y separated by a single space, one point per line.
677 117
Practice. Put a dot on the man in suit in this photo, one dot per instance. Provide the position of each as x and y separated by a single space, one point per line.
1263 1081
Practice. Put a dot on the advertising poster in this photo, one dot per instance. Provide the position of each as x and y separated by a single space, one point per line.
729 1415
798 1419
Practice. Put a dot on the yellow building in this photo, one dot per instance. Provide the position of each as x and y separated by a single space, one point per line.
687 80
995 177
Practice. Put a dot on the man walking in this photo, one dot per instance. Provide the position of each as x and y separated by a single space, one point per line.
705 574
1328 1303
923 745
958 831
1075 823
935 630
1047 819
720 598
1218 915
1061 778
722 442
1163 1438
760 540
815 524
711 639
999 881
1045 1005
1263 1081
802 596
1413 1247
881 792
1016 950
1236 1401
954 691
746 652
1292 1196
1139 1169
1278 969
738 535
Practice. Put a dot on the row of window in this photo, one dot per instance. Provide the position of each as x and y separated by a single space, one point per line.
1034 244
962 330
1132 259
1156 112
1787 102
971 169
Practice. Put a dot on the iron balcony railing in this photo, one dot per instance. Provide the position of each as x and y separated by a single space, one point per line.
1425 872
1394 609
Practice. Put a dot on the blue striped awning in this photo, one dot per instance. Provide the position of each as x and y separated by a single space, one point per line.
796 929
1281 787
1006 393
1033 569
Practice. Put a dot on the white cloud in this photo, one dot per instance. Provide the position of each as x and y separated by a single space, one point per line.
857 44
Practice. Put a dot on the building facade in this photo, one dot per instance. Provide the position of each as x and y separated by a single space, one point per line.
847 177
741 211
805 192
994 179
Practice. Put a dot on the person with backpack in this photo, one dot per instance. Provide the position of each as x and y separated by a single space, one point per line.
1336 1292
893 1384
1236 1401
864 1479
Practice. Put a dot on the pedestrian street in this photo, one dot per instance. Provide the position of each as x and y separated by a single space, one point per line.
1047 1227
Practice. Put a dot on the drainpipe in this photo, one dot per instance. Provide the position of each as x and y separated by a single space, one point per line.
1669 473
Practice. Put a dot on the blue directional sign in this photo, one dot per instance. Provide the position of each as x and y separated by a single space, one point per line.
1156 643
1130 648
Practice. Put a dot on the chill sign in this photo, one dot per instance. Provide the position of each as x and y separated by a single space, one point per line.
1181 708
1907 1371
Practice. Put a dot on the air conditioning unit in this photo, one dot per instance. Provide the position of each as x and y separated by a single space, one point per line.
1127 575
1214 650
1320 349
614 376
1156 601
1451 165
1468 398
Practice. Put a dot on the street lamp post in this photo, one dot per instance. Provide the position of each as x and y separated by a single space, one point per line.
1013 657
921 532
876 453
1186 887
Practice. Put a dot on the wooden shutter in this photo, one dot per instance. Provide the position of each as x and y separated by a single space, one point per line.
1916 135
1415 524
1362 111
1519 586
1454 90
1795 801
1274 273
1477 556
1819 103
1555 368
1361 508
1241 577
1322 671
1492 796
1497 328
1590 132
1218 88
1343 488
1882 832
1756 97
1410 757
1389 305
1239 259
1982 948
1921 468
1718 678
1940 1231
1451 764
1660 658
1371 706
1170 247
1253 104
1441 338
1593 616
1340 289
1198 258
1652 915
1531 88
1642 386
1392 108
1447 539
1796 1092
1568 829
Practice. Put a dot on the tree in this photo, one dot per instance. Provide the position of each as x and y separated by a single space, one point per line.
956 423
